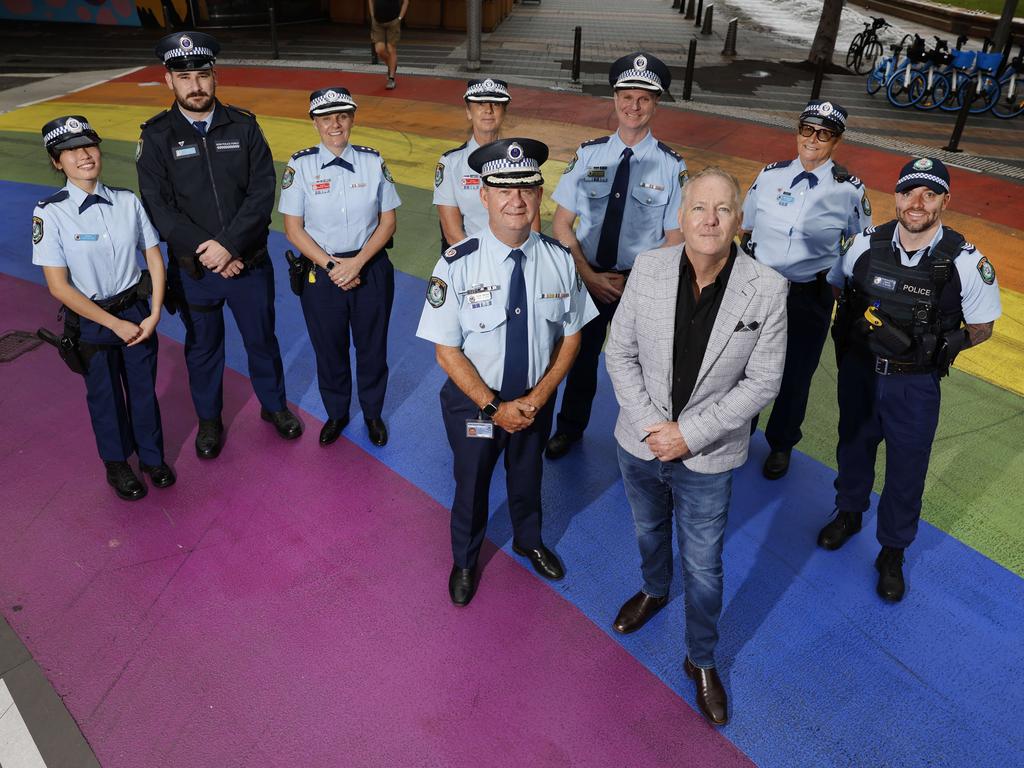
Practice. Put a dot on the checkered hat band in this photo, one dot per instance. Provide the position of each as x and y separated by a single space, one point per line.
835 115
924 177
644 75
497 181
195 51
504 164
86 128
496 90
338 99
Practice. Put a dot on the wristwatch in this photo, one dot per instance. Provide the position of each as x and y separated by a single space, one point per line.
328 266
491 408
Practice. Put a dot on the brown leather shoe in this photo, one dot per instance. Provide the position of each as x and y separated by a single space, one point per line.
636 612
711 696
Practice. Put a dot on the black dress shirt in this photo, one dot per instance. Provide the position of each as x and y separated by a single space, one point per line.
695 317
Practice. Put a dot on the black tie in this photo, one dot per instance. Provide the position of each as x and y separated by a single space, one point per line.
200 126
92 200
608 243
812 180
517 340
340 163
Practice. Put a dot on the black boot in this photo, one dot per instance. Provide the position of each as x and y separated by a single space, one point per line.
124 481
890 574
209 438
835 534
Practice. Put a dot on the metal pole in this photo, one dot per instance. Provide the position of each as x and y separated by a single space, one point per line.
700 13
730 38
273 28
819 75
690 6
676 3
961 120
474 16
165 5
691 56
1003 29
709 15
577 44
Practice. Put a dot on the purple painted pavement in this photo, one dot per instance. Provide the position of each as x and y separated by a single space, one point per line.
286 605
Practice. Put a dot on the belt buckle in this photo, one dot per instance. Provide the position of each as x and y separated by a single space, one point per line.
882 366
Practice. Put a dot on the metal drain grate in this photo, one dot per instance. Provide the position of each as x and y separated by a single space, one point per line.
14 343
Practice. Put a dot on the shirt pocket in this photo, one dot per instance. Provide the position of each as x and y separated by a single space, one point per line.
594 199
482 319
649 205
553 310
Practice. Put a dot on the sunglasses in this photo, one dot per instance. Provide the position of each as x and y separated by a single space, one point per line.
822 134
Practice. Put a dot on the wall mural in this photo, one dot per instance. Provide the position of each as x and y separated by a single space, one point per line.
130 13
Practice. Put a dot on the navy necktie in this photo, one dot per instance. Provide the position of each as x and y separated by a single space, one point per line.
200 126
608 244
340 163
92 200
812 180
517 342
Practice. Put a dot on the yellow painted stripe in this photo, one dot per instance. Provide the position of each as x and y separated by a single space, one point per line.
1000 360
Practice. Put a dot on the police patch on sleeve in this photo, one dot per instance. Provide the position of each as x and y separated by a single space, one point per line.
37 230
288 178
683 176
138 150
437 291
438 175
865 204
571 165
845 243
386 172
985 269
579 281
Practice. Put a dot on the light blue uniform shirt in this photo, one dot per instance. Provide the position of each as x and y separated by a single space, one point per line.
98 246
458 185
979 299
467 301
656 177
797 230
339 207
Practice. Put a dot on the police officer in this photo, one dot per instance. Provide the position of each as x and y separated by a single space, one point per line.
456 185
85 238
339 201
796 214
207 180
914 294
625 189
504 309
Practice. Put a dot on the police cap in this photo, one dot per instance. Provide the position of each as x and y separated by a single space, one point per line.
327 101
68 132
640 70
510 162
924 172
487 91
825 113
182 51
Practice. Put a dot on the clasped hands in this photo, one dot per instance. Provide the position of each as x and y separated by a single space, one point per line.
665 441
515 415
218 259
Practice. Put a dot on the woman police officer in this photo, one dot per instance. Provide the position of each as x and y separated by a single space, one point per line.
85 238
339 201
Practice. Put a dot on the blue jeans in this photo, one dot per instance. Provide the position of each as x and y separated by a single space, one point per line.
655 490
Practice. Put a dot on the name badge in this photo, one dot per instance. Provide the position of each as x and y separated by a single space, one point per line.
321 187
554 295
786 198
480 429
651 185
597 173
357 185
87 237
227 146
470 182
189 150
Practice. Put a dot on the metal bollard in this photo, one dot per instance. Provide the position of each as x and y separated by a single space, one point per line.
961 120
676 3
698 19
819 75
576 46
691 56
730 38
273 29
690 6
709 15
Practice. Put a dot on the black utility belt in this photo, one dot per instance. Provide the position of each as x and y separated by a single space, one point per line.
886 367
817 280
604 271
129 297
382 253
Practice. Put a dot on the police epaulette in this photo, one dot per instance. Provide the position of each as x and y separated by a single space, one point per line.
779 164
241 111
840 174
120 189
592 142
56 197
666 148
870 230
456 149
552 241
369 150
155 118
464 248
968 247
304 152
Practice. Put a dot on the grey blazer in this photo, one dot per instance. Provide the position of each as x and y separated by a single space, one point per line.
740 374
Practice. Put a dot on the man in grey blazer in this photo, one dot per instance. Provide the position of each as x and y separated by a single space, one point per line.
696 350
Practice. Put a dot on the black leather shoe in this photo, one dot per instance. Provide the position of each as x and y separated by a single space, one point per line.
776 465
124 481
161 475
835 534
559 445
711 696
462 585
209 438
544 561
285 422
378 431
332 430
890 574
637 611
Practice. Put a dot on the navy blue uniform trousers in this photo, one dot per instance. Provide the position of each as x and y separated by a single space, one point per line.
250 297
120 385
475 459
903 410
809 313
581 383
332 316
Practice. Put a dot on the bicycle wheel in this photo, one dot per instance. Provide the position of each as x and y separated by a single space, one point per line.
876 79
902 93
983 96
869 57
1011 98
853 53
952 101
933 97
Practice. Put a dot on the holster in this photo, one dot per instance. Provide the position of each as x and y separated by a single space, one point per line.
69 344
298 271
842 328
